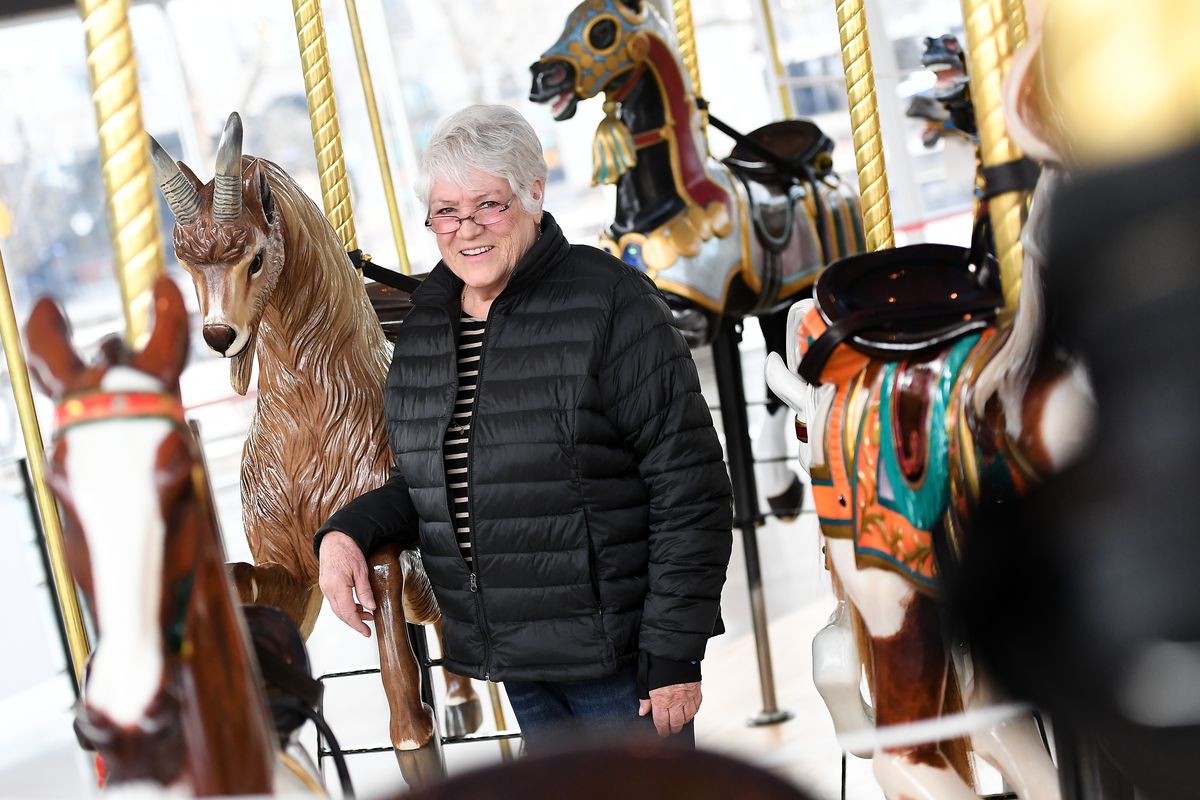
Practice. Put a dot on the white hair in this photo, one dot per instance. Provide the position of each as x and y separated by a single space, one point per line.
492 140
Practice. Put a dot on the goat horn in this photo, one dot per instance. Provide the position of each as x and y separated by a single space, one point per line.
227 189
180 193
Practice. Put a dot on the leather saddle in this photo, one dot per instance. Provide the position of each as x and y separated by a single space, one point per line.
802 154
904 302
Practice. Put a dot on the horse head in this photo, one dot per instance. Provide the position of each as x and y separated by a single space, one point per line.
601 45
119 464
229 237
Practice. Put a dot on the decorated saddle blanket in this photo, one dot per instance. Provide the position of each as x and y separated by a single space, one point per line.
884 481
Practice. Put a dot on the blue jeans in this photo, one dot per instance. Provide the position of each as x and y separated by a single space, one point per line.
554 716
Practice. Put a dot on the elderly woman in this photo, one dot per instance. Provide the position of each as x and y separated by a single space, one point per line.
555 461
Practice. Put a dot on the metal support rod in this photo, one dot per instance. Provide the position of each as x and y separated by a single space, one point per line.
385 170
864 125
989 49
323 117
124 158
64 585
746 516
498 713
785 96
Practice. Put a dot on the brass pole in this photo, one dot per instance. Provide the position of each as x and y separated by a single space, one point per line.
990 51
864 124
685 35
776 62
322 114
498 712
385 171
1018 27
124 158
64 585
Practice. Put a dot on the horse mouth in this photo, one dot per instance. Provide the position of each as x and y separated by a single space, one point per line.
554 83
564 105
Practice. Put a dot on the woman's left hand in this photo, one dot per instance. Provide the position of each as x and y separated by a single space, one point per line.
673 706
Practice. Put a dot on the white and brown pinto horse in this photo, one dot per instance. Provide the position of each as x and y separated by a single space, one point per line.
897 447
171 696
275 284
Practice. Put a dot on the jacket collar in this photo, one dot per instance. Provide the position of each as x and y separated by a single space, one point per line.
444 288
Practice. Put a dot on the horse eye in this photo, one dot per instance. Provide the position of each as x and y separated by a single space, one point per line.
256 264
603 34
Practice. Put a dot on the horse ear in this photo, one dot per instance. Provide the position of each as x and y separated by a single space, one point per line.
53 363
633 5
166 352
258 191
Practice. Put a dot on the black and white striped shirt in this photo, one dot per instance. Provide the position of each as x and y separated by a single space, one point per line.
458 435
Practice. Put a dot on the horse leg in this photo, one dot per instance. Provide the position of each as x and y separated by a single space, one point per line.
412 728
464 711
780 485
837 673
274 585
1015 748
911 677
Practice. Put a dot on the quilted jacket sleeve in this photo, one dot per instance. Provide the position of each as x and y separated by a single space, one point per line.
381 515
651 391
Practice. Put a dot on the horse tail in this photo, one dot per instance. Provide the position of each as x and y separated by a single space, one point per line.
420 606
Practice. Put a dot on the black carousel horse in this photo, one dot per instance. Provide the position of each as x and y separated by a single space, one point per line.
722 239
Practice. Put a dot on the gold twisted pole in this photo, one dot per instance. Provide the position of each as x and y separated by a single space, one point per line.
990 50
685 36
385 170
1018 27
776 62
864 124
124 159
322 114
64 586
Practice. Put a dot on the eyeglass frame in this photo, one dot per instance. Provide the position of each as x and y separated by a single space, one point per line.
429 219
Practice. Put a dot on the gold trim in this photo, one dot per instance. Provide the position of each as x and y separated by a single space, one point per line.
129 185
498 714
323 117
385 170
310 782
864 125
64 586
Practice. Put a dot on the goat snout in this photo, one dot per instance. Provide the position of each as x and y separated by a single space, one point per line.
219 337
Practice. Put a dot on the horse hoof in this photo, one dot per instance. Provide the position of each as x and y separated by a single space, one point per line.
787 505
463 718
424 766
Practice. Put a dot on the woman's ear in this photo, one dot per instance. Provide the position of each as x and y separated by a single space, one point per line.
538 192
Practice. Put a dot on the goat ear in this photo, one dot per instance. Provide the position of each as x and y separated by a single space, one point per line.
52 360
166 351
258 191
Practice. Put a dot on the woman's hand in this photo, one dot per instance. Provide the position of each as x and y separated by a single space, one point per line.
343 575
673 706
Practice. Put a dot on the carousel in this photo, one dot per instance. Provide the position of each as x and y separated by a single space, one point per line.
979 569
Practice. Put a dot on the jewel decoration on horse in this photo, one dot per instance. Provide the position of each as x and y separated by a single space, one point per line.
275 285
919 406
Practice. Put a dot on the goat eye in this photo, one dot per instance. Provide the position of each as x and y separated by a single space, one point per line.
256 264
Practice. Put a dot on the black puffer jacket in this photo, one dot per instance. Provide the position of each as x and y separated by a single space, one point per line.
600 503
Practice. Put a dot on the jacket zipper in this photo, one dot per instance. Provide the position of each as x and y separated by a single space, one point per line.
475 588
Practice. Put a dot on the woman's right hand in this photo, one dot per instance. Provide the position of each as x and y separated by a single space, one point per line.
344 575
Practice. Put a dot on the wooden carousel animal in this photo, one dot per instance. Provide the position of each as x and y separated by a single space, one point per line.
171 693
721 239
275 284
917 410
